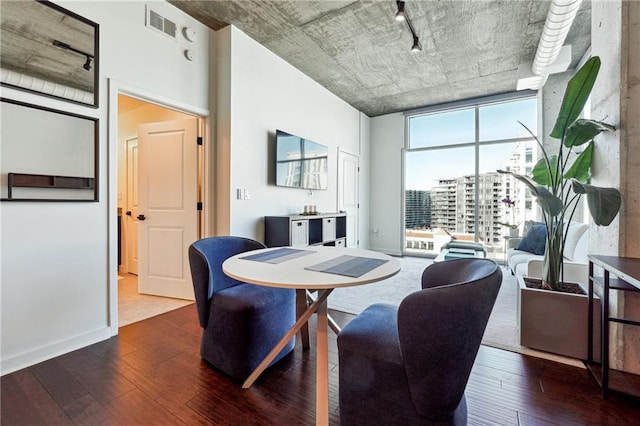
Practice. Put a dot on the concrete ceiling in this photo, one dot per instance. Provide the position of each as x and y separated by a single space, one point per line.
356 49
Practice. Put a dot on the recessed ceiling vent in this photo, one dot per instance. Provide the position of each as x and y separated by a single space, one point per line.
159 23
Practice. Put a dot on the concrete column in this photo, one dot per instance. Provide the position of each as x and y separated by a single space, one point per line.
630 168
630 128
615 35
551 98
606 27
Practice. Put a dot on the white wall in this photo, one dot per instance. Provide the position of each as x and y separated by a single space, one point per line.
365 181
387 141
266 93
54 262
60 145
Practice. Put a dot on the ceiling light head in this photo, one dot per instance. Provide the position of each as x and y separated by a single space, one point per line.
416 45
400 16
87 63
89 58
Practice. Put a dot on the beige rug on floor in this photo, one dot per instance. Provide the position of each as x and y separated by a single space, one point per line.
134 307
502 330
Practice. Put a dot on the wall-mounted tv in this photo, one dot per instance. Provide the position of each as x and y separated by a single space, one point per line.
300 163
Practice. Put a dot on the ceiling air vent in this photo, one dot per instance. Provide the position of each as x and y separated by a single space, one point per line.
158 22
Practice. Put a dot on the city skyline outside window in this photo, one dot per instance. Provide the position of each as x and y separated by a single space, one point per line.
449 193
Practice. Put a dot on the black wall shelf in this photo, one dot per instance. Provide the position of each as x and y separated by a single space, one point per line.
25 180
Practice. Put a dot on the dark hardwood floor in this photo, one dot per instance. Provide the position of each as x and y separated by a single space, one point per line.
152 374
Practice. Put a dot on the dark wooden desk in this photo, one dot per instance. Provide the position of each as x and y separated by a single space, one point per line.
620 274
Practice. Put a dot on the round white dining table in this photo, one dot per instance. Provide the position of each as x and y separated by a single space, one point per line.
291 271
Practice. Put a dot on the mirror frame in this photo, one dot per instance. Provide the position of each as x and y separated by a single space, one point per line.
38 179
96 56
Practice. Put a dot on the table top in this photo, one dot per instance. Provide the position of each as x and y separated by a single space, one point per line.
292 273
627 268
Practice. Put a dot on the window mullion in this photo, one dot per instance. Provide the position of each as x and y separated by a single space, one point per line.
476 210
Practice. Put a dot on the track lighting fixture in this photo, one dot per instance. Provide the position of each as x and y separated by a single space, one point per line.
416 45
87 63
89 58
401 15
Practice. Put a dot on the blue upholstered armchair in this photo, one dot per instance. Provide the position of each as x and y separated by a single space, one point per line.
242 322
409 365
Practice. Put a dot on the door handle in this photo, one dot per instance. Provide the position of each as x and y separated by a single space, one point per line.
128 212
141 217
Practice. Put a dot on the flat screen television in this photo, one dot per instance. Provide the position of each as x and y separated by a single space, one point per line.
300 163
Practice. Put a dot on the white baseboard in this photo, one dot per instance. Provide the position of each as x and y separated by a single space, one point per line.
27 359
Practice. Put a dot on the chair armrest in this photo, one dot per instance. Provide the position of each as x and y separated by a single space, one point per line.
573 271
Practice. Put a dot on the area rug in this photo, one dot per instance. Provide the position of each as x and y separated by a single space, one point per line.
502 330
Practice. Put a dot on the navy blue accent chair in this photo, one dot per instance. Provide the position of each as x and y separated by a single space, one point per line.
409 365
242 322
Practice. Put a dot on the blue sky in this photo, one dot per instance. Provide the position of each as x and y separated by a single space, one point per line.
499 121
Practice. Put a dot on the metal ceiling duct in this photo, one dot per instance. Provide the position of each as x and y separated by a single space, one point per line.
551 56
559 19
28 82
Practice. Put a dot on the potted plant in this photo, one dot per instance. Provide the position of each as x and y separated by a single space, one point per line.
557 183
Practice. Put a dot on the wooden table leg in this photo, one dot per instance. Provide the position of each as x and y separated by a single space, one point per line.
322 367
322 298
332 323
301 306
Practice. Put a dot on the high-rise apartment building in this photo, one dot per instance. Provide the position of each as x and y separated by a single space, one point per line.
454 204
417 209
443 205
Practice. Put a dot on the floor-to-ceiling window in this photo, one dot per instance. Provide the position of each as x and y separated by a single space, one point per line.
452 187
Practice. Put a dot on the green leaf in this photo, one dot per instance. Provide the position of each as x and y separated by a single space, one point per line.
540 173
576 95
604 203
581 167
524 179
548 202
582 131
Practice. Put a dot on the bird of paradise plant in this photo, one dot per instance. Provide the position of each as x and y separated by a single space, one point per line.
557 183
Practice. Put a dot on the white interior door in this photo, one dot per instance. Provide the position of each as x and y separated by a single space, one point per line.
168 214
348 170
131 215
